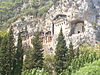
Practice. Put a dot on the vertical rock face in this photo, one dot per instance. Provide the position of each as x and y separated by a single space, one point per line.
79 20
28 26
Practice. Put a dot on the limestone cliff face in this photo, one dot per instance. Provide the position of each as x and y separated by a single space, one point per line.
28 26
79 20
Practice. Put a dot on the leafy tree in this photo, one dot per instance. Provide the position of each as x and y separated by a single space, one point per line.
7 53
60 54
77 52
37 52
0 40
35 72
28 60
90 69
49 64
35 56
36 3
86 57
4 65
11 51
18 57
54 1
71 54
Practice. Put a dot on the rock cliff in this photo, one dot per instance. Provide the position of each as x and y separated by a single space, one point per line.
79 20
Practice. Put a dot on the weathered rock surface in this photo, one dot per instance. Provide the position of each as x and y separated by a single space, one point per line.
79 20
75 12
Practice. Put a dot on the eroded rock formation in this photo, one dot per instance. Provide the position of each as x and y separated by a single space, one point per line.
79 20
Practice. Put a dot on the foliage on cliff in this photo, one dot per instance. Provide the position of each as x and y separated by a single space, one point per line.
11 10
2 33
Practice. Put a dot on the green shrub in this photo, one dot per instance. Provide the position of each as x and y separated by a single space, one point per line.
34 72
90 69
80 61
2 33
49 63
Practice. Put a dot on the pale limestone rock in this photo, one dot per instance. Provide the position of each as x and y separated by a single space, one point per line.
81 10
79 20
